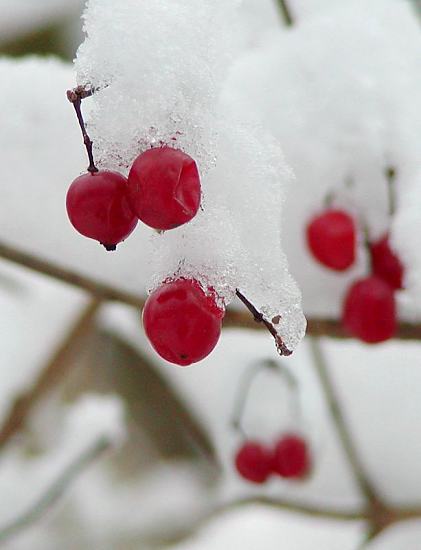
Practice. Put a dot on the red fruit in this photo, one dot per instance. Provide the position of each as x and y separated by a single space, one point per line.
98 207
183 323
331 237
253 462
369 311
164 188
386 264
291 457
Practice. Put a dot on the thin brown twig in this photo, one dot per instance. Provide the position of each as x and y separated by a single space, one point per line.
50 497
75 97
233 317
342 428
54 370
260 318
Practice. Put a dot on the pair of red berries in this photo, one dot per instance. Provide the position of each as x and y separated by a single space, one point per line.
162 190
290 459
369 309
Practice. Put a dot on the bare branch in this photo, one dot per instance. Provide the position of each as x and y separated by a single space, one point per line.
233 318
53 371
338 418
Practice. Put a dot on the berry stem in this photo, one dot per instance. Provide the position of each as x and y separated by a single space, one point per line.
259 318
75 97
247 382
390 174
285 12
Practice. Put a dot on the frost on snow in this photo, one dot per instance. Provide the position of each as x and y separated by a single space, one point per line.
158 69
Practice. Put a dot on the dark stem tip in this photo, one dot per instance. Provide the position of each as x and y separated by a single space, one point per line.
109 247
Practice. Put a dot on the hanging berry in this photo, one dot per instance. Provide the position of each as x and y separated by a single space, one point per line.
164 188
253 462
182 322
369 311
331 237
386 264
98 207
291 457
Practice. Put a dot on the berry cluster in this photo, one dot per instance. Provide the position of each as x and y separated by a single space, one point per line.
163 190
181 318
289 458
369 309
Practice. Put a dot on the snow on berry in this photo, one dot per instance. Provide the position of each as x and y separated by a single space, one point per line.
235 242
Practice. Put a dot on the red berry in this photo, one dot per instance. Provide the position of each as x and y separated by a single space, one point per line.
164 188
98 207
182 323
386 264
253 462
369 311
331 237
291 457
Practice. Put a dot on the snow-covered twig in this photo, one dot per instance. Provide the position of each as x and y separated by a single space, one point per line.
50 497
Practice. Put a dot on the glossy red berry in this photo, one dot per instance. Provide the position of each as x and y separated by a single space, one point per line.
369 311
164 188
98 207
182 322
253 462
386 264
291 457
331 237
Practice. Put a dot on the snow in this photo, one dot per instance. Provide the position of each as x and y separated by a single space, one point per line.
256 528
341 93
83 423
244 175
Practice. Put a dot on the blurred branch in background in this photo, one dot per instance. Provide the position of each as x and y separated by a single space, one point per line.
285 12
50 375
51 496
333 403
233 318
